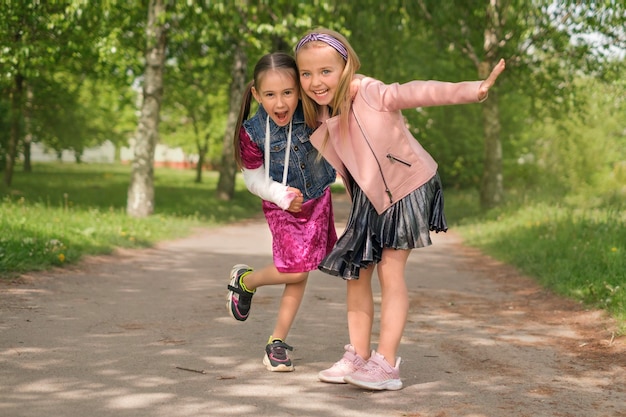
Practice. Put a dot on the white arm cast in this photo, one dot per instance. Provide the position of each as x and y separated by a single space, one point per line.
269 190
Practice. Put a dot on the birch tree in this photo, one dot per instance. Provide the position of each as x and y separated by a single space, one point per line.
140 201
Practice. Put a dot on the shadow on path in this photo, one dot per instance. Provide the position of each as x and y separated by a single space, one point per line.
146 333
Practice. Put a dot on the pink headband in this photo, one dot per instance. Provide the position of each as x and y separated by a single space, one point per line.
327 39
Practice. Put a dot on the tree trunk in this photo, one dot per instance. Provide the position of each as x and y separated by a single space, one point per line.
199 165
491 190
14 134
228 167
28 167
202 147
28 127
141 190
202 152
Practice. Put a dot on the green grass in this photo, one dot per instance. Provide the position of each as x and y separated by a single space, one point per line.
61 212
576 252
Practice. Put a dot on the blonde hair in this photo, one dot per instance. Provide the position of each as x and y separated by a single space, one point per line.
342 100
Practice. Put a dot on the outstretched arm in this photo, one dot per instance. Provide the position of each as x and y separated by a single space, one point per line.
483 90
392 97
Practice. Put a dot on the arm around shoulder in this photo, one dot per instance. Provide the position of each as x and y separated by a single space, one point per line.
267 189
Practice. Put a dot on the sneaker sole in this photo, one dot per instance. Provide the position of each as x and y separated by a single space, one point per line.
229 307
331 379
229 296
279 368
390 384
237 267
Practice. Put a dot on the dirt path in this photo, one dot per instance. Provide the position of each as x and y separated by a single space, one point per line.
145 333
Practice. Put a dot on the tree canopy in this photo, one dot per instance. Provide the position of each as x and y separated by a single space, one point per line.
74 74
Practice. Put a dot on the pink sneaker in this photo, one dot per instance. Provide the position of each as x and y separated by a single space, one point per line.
377 374
348 364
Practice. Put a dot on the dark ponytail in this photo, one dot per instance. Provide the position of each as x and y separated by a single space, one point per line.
277 61
244 112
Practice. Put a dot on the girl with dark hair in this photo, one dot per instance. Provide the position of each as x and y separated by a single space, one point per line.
282 167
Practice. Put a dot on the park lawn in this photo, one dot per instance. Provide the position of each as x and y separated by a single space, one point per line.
61 212
575 252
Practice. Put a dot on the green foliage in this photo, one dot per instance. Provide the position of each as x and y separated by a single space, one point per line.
110 112
91 59
83 63
48 61
73 113
192 118
200 46
60 213
33 38
4 131
584 149
545 60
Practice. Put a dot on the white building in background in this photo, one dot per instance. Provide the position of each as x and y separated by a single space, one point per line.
104 153
164 156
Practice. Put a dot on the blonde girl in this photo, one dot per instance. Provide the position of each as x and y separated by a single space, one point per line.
397 197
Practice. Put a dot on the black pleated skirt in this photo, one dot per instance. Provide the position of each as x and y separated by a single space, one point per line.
404 225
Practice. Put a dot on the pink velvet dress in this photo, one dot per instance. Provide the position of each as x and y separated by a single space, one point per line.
299 240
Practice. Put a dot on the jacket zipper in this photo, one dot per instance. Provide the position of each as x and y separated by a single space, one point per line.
380 168
396 159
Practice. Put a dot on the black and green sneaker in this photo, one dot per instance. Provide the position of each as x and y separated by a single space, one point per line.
276 358
239 300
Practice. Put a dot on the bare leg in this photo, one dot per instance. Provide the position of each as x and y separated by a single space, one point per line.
394 301
289 305
295 284
361 312
270 276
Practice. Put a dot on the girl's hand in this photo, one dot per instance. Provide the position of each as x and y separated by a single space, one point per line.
296 204
483 90
355 84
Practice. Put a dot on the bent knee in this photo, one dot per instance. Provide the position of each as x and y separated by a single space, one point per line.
295 277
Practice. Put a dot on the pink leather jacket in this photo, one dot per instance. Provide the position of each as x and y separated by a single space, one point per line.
380 153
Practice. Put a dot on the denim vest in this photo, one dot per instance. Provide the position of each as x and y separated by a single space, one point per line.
306 172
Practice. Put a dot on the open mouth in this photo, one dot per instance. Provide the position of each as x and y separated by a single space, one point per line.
282 118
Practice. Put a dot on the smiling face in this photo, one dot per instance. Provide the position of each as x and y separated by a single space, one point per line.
320 68
278 94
